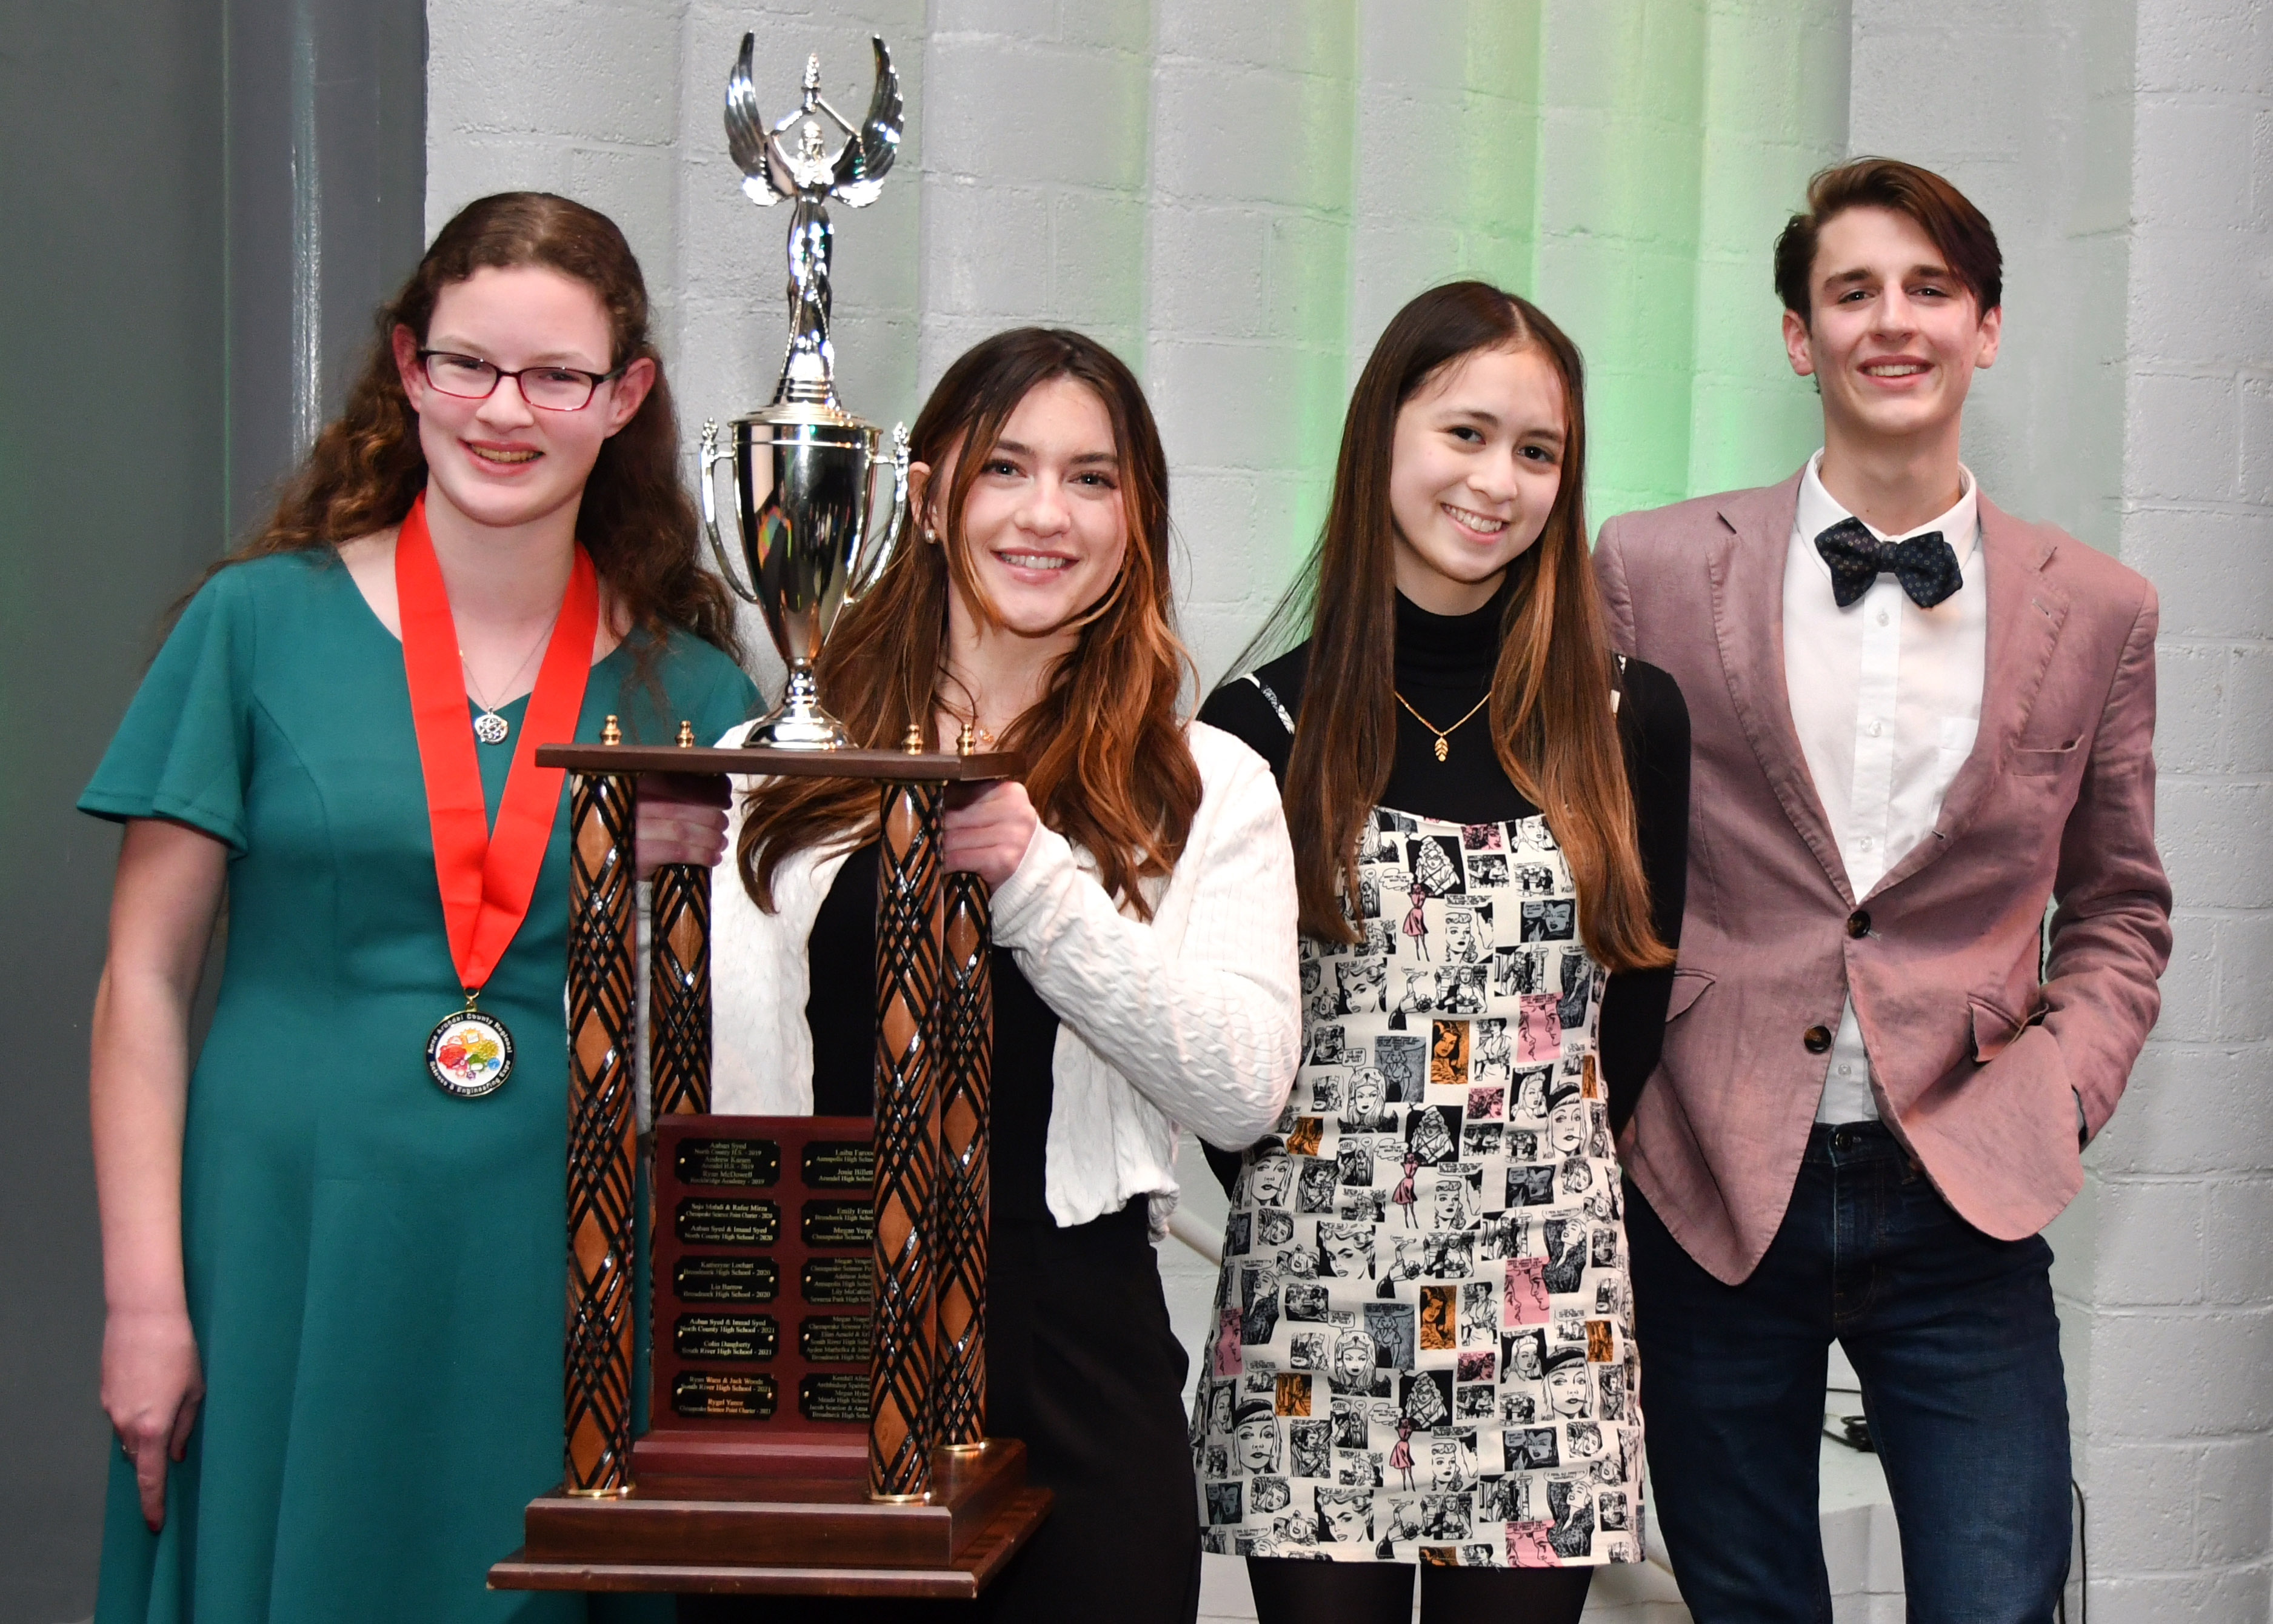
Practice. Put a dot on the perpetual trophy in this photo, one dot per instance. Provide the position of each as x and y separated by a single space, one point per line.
815 1417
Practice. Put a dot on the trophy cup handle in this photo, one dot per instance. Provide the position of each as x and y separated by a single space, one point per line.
711 455
879 549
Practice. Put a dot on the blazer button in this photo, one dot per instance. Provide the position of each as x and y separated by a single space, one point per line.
1818 1039
1858 923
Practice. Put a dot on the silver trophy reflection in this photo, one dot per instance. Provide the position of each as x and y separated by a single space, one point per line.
805 471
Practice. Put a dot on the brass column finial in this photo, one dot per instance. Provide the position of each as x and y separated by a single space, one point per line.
609 734
686 735
913 744
966 742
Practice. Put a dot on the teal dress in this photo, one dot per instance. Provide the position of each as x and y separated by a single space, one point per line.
375 1268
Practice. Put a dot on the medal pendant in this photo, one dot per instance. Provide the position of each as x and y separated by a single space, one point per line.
469 1054
1442 748
491 728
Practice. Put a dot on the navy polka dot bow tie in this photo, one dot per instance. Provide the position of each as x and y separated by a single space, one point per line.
1925 565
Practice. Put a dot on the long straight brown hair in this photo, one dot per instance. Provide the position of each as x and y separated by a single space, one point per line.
1108 767
636 519
1552 724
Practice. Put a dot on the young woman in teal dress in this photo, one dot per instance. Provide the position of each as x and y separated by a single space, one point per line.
332 1261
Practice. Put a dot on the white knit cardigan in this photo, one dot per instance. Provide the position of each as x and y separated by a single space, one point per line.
1199 1009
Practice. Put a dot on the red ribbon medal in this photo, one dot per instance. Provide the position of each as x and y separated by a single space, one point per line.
486 878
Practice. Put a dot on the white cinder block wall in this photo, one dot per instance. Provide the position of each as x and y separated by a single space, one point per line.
1246 289
2179 1426
1235 198
2126 153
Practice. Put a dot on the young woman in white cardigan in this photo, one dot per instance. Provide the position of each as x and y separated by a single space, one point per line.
1144 964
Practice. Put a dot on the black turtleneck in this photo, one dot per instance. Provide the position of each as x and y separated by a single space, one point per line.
1443 665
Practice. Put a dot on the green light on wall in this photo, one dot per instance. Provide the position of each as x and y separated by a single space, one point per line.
1626 164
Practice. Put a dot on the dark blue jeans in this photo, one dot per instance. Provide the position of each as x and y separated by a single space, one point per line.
1954 1338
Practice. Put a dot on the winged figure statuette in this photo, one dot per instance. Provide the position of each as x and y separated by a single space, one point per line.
790 160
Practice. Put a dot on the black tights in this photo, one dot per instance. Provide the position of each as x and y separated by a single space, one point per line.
1298 1592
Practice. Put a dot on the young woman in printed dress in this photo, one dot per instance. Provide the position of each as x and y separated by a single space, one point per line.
1458 732
1145 969
331 1350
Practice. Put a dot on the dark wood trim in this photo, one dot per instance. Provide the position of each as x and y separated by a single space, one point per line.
974 1567
895 766
785 1536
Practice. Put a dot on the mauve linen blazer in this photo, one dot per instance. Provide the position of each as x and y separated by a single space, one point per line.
1977 1060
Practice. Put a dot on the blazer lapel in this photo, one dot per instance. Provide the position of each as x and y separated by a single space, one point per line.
2026 610
1747 575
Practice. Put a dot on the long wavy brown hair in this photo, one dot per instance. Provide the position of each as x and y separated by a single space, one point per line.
1551 719
635 519
1108 766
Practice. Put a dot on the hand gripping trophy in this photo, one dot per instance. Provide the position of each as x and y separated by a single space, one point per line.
805 471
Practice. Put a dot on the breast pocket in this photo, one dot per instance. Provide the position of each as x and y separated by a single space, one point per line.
2038 761
1687 987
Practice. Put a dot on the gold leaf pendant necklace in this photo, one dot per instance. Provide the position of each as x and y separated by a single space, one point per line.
1444 748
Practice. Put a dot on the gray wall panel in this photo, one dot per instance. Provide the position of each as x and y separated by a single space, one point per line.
194 192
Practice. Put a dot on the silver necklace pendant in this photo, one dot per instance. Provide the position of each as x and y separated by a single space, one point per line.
489 727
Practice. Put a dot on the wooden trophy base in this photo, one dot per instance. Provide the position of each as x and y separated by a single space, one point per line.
793 1521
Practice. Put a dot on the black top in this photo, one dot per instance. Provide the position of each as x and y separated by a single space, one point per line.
840 1010
1444 665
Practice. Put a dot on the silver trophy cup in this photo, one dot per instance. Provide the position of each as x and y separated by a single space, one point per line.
805 509
811 528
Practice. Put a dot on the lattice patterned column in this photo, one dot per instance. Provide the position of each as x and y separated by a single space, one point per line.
966 1063
601 1128
679 989
907 1140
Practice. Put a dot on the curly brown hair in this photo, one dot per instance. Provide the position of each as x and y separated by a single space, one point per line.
1109 765
637 520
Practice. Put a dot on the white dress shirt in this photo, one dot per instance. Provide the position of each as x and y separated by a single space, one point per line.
1886 699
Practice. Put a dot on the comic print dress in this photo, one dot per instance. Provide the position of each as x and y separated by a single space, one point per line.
1421 1347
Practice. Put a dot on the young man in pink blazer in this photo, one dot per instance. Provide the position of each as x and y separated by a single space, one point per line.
1916 720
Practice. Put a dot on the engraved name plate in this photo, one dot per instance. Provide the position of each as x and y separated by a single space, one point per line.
729 1395
731 1338
833 1164
746 1163
725 1280
838 1223
754 1214
838 1282
833 1339
706 1223
833 1395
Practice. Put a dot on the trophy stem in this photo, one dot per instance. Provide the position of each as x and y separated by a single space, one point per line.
678 990
602 1173
960 1201
798 723
901 1423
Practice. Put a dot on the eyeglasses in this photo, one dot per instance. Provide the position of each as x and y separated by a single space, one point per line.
469 378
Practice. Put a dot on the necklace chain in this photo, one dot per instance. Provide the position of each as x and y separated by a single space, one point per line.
971 722
1444 748
489 725
968 718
